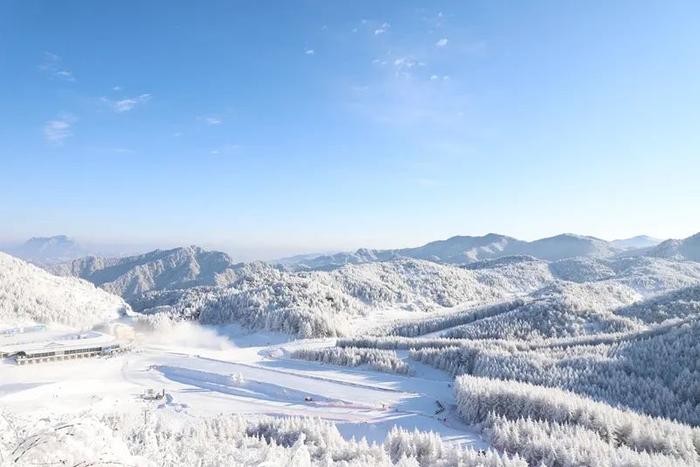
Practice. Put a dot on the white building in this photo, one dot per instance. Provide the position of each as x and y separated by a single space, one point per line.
38 346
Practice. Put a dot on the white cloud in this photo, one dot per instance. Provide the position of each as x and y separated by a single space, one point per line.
382 29
441 43
404 65
53 66
57 130
225 150
116 88
211 120
405 97
405 62
125 105
436 77
64 74
309 51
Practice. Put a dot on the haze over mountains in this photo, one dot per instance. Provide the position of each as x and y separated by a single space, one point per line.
61 248
48 249
455 250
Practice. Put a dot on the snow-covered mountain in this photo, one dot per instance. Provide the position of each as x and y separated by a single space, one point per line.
46 250
646 275
322 303
193 283
686 249
566 297
469 249
466 249
157 270
30 294
569 246
635 243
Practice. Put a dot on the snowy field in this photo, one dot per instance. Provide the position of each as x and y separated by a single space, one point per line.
206 371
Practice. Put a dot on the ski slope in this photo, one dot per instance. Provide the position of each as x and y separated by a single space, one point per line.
197 381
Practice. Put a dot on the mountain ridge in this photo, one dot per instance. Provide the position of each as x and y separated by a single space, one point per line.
687 249
465 249
130 276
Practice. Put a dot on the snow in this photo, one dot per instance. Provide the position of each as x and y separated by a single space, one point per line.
468 249
29 294
615 331
686 249
157 270
198 381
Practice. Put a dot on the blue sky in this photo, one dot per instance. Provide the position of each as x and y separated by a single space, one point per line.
266 128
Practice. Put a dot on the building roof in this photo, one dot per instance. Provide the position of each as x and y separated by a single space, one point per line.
49 341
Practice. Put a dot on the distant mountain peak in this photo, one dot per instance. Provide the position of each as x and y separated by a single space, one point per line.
45 250
466 249
57 238
636 242
52 240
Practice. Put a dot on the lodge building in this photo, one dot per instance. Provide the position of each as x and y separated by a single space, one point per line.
66 347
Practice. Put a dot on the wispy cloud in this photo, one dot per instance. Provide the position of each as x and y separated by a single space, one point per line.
404 66
309 51
404 63
384 28
224 150
436 77
407 92
125 105
52 65
442 42
211 120
57 130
